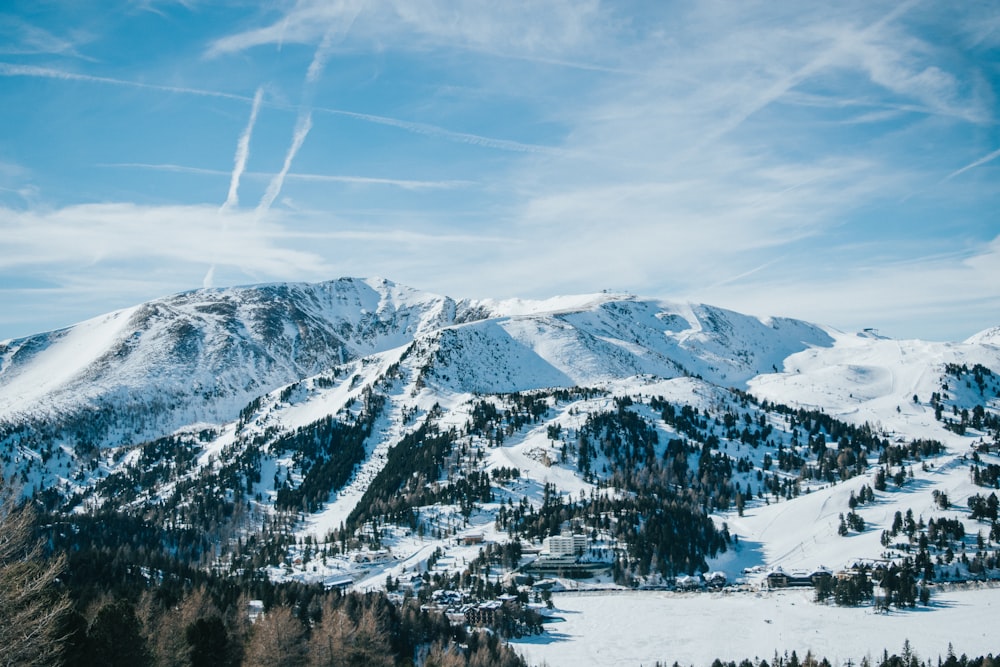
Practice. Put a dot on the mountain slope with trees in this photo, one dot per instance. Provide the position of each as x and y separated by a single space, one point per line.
293 440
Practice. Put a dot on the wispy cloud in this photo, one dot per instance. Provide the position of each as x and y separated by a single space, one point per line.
95 235
702 152
153 6
239 165
401 236
15 178
20 37
336 30
99 247
982 25
78 261
949 292
518 26
242 153
176 168
345 15
730 151
729 280
406 184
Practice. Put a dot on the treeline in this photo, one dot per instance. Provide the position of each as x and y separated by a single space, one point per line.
906 658
326 453
940 543
411 465
82 595
987 475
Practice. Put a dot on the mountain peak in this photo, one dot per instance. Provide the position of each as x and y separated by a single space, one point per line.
989 336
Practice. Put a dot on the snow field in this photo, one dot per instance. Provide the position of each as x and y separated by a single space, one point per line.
639 628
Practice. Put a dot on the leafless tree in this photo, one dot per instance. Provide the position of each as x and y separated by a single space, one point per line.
445 655
31 606
276 639
341 642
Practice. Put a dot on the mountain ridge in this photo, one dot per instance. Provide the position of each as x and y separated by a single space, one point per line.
230 344
361 412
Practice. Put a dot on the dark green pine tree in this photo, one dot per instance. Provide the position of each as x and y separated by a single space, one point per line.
209 642
115 637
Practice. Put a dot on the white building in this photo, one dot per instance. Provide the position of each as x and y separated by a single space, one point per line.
564 545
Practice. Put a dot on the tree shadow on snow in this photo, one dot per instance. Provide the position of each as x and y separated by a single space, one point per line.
742 560
544 639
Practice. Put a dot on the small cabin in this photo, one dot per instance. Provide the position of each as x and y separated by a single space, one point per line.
688 583
716 579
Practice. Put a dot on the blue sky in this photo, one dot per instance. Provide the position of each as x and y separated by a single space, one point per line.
837 162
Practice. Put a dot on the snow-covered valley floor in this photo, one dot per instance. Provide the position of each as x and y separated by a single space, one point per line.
643 627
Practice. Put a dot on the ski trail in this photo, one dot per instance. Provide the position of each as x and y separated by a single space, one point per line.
389 430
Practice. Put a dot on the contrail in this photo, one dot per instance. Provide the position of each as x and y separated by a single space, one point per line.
319 59
350 14
405 183
304 122
178 168
242 152
302 128
239 165
6 69
983 160
460 137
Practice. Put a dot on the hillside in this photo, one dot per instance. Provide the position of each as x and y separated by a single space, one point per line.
201 355
364 435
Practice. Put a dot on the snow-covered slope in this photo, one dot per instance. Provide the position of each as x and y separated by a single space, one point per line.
201 355
989 336
306 400
864 378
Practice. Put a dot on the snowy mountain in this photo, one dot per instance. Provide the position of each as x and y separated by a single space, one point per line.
143 372
200 356
359 431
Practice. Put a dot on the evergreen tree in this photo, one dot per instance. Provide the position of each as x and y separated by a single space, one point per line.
209 642
115 638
